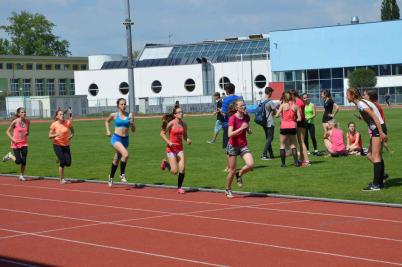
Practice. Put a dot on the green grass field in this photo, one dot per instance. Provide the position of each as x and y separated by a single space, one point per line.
341 178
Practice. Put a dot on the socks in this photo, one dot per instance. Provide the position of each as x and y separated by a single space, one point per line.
122 167
377 173
382 171
282 153
113 170
295 158
180 180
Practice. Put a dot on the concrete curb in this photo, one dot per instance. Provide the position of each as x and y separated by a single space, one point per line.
212 190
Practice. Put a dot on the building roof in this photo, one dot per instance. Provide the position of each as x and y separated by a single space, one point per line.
41 58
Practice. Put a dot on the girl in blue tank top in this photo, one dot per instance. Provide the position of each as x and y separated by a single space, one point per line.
123 121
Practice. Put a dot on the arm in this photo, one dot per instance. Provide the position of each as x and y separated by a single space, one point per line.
132 125
231 133
314 111
279 111
52 133
383 136
107 121
8 131
298 114
356 143
28 126
163 134
335 110
72 132
185 136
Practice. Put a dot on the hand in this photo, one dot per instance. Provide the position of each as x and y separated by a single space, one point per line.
383 137
244 126
188 141
249 131
13 141
108 133
170 144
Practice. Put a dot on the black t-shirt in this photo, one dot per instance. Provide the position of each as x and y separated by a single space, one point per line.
219 115
328 107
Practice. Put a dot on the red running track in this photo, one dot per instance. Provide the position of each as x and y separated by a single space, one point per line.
88 224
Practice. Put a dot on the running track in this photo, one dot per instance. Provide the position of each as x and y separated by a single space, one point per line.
43 223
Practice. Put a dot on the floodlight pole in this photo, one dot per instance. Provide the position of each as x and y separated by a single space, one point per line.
127 22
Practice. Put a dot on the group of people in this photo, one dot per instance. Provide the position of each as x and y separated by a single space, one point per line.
297 124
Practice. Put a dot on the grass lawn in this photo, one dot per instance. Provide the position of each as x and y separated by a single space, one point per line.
341 178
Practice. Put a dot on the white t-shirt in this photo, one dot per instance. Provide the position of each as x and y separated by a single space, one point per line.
363 104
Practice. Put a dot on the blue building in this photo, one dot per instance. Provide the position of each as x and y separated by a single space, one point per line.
314 59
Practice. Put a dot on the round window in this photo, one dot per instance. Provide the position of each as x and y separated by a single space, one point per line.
189 84
123 88
260 81
156 87
223 81
93 90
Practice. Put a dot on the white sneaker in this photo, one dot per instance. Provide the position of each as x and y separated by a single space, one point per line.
229 193
63 181
7 157
110 181
22 178
123 178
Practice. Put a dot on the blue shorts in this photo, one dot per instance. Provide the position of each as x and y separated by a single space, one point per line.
117 138
218 126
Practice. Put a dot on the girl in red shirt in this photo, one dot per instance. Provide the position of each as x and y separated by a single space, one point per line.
354 140
19 141
176 129
238 126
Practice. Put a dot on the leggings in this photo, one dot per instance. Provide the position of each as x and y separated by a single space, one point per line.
310 128
63 154
21 155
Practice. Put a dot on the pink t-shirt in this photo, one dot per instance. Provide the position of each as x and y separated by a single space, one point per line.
239 140
338 145
20 134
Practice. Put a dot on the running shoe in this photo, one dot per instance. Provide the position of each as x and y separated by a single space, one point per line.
229 193
164 164
211 142
63 181
180 191
372 187
22 178
7 157
123 178
110 181
265 158
239 180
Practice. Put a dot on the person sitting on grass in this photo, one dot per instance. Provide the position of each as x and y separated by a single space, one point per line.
354 140
333 139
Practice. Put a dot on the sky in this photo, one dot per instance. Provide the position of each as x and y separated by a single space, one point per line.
95 26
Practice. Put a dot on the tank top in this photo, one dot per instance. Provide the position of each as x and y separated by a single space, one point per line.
288 118
120 123
176 137
309 112
337 142
352 139
20 134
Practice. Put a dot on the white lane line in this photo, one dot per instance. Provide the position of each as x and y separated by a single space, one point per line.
118 248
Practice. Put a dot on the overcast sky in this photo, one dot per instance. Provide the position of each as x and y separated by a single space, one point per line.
95 26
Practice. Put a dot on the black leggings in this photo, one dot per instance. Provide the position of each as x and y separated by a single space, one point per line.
21 155
63 154
310 128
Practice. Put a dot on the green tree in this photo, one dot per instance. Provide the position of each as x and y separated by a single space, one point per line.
389 10
31 34
362 78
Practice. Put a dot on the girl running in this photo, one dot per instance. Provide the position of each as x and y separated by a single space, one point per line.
119 140
238 126
174 126
19 141
290 115
334 140
330 109
61 131
354 141
378 134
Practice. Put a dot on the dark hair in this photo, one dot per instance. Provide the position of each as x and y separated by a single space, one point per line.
168 117
268 90
217 94
57 111
233 106
230 88
373 95
18 111
286 97
326 93
118 101
351 122
293 93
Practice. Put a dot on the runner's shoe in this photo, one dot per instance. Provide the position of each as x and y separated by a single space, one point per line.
239 180
7 157
22 178
164 164
123 178
181 191
63 181
110 181
229 193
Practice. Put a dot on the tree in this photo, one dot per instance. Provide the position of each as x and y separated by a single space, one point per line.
362 78
389 10
31 34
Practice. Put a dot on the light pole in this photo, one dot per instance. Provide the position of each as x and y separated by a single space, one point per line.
127 22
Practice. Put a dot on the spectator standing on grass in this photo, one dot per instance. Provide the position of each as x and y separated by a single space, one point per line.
330 109
123 122
174 126
310 112
230 97
354 141
378 134
269 128
238 126
219 118
61 132
290 115
69 113
386 98
333 139
18 132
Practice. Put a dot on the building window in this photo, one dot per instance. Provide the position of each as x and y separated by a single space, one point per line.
123 88
50 87
26 87
14 87
19 66
83 67
312 74
93 89
260 81
29 66
1 66
156 86
39 87
385 70
48 67
39 66
397 69
189 85
223 82
72 87
337 73
62 87
57 66
75 67
9 66
66 67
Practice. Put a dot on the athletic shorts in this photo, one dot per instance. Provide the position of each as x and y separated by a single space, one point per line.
117 138
288 131
237 151
218 126
175 154
376 133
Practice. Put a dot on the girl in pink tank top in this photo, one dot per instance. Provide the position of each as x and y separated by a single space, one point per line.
18 133
334 139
